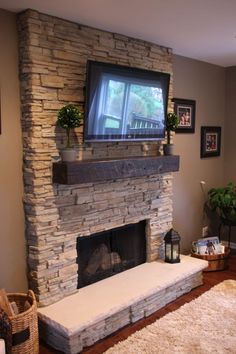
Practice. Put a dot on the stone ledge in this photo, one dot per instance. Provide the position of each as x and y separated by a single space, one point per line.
102 308
110 169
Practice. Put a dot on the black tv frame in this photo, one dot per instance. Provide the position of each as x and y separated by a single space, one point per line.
94 70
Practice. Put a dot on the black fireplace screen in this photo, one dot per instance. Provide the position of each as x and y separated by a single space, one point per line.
110 252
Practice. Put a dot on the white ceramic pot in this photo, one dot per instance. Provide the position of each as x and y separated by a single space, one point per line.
68 155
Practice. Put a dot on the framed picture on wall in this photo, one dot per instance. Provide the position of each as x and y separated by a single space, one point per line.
185 110
210 141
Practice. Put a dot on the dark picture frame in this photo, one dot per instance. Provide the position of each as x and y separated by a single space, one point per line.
185 109
210 141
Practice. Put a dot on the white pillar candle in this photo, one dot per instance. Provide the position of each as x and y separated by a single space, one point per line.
2 347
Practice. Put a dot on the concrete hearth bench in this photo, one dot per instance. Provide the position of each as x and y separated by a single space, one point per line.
100 309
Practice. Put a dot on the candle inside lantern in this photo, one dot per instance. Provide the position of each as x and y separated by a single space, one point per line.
172 246
168 251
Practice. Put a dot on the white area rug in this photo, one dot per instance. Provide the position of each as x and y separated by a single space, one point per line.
205 325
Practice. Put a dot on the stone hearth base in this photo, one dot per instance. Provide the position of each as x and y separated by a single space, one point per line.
100 309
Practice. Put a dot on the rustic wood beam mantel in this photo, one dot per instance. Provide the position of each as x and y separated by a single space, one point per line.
88 171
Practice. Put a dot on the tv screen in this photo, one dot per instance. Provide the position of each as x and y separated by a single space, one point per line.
124 103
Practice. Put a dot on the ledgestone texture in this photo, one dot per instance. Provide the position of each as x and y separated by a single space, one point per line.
53 54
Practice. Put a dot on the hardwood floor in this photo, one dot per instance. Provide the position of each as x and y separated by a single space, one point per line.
210 279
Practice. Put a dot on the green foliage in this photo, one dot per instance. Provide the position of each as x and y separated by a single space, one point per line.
136 104
151 98
172 122
223 201
69 117
143 100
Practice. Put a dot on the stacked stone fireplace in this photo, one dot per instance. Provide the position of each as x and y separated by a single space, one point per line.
83 210
53 57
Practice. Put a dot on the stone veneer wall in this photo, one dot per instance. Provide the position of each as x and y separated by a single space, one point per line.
53 57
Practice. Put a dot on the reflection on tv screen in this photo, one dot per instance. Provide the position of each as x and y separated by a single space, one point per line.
125 103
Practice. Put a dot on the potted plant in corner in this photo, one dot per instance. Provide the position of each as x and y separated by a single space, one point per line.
172 122
69 117
223 202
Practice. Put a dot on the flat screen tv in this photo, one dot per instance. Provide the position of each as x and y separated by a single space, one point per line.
125 103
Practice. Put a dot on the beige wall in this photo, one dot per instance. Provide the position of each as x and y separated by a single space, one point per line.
12 242
206 84
230 129
230 125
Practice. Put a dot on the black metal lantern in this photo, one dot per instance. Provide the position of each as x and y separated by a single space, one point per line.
172 247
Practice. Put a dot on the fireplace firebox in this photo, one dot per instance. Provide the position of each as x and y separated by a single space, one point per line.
104 254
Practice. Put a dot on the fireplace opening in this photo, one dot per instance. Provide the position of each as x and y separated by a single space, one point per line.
104 254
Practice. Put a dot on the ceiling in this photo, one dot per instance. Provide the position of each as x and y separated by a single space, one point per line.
199 29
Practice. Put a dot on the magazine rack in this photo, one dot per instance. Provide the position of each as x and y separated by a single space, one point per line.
215 261
24 325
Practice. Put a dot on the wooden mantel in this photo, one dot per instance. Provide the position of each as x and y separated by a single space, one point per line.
88 171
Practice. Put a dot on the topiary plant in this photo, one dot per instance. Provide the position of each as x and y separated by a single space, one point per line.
172 122
223 201
69 117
